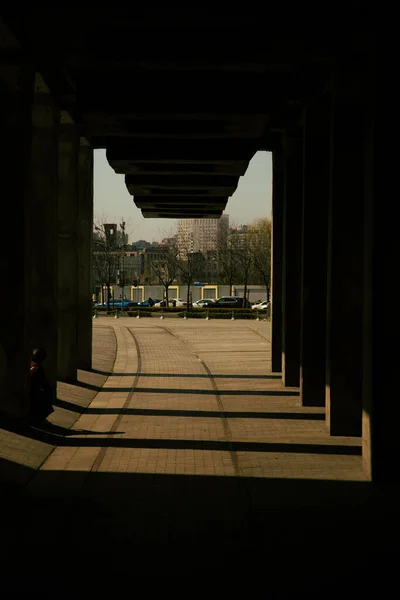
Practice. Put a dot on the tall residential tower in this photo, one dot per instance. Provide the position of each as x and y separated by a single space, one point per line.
201 235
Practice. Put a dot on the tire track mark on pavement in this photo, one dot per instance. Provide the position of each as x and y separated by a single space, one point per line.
240 477
103 451
222 411
264 337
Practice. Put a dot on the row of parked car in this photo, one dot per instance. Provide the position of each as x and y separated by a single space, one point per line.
223 302
230 302
127 304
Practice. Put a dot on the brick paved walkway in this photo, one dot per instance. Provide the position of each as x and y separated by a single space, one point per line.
196 398
193 459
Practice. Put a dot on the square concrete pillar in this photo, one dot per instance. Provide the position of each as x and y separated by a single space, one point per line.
68 258
43 296
85 255
317 156
276 262
291 259
16 98
381 323
345 291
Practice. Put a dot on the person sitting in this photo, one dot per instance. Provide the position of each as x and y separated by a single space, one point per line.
41 405
150 302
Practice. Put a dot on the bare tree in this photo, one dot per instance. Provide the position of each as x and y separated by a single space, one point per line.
227 260
166 267
243 256
109 247
190 268
260 248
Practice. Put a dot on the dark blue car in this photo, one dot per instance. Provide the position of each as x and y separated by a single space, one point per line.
118 304
145 303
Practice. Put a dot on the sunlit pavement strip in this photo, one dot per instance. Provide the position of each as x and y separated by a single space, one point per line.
173 422
82 458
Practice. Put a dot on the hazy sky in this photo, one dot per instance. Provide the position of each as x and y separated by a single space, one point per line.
112 201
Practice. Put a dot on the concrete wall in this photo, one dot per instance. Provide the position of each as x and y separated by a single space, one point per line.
180 291
256 292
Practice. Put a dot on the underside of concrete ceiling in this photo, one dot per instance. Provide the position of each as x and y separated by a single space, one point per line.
182 100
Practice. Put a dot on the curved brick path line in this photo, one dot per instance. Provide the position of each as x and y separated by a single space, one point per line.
102 453
99 424
163 355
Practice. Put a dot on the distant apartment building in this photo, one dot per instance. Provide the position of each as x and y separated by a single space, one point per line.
140 244
237 235
169 241
201 235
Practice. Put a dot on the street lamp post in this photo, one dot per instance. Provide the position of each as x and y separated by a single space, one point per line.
122 273
107 270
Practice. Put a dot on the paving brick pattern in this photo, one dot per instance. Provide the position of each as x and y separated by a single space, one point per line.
196 398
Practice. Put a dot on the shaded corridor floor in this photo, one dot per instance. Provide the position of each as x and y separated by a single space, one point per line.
194 461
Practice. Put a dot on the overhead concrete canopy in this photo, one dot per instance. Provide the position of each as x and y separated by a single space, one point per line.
182 98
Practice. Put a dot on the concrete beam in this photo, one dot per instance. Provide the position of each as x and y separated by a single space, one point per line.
183 192
189 181
181 185
145 126
180 201
180 151
180 210
194 93
182 214
231 168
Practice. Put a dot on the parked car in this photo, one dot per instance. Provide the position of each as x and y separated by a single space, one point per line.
177 302
203 303
230 302
117 304
145 303
262 305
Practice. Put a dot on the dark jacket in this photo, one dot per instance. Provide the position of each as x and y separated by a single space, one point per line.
40 393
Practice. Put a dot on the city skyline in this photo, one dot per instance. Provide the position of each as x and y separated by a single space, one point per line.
112 201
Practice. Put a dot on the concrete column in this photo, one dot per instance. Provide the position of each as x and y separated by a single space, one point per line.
381 326
16 97
317 155
43 296
276 262
345 272
291 260
85 253
68 252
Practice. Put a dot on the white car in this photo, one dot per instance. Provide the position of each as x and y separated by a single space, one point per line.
262 305
179 303
202 303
